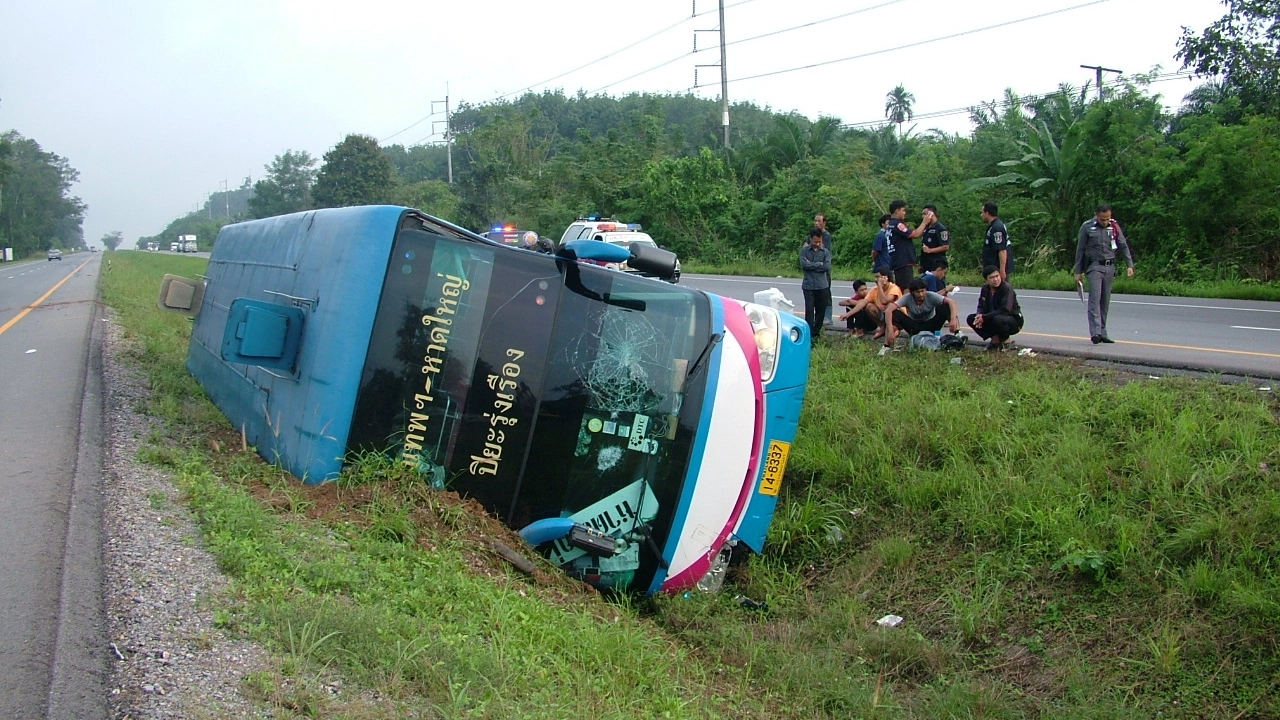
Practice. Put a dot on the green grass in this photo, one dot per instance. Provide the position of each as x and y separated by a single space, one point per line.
1061 543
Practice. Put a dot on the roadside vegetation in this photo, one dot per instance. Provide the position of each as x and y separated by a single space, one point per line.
1060 542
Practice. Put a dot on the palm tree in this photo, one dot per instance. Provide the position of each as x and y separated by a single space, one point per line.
897 106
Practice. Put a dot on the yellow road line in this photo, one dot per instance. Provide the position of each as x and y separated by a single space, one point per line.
1162 345
43 297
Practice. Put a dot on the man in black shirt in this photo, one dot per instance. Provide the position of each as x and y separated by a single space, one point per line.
996 248
935 243
902 249
998 315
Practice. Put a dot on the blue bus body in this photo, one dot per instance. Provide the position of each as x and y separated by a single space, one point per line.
569 399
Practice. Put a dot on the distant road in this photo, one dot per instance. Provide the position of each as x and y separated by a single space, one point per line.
1232 336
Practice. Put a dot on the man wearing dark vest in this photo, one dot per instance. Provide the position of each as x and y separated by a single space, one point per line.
902 248
935 243
996 248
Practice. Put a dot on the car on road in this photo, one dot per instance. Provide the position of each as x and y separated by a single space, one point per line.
55 254
506 234
586 227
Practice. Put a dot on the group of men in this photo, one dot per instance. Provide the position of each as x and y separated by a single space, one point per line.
926 306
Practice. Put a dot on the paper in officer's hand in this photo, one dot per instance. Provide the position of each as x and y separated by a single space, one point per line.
1080 290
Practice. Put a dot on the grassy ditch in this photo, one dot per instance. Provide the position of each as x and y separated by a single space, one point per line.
1060 543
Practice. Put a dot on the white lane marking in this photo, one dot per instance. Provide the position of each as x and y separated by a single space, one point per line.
1246 327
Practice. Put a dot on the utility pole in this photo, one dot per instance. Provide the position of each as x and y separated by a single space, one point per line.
724 72
448 130
226 197
1098 69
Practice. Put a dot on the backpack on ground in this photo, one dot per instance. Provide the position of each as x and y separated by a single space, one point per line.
925 341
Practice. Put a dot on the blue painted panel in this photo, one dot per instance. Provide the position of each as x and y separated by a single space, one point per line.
263 333
329 263
782 415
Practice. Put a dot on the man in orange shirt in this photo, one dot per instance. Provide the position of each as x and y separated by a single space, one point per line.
868 313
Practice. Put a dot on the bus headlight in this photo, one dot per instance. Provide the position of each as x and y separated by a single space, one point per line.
764 322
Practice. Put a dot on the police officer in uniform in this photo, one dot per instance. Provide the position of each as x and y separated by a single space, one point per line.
934 244
1100 239
997 250
902 248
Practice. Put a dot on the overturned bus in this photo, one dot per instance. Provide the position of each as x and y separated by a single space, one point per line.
633 430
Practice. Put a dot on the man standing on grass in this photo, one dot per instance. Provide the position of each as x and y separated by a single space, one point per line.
880 257
815 263
1100 238
935 243
820 222
902 241
996 248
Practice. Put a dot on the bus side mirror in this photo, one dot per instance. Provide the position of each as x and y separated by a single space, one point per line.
652 260
180 295
263 334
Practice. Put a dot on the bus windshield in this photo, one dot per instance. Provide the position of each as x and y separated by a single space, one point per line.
540 387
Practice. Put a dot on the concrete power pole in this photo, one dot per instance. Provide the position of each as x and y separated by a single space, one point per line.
1098 69
724 72
448 131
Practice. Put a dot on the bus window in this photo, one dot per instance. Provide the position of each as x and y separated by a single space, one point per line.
488 375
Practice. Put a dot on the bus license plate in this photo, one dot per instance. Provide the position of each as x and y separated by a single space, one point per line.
775 463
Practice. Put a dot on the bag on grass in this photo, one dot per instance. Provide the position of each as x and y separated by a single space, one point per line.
925 341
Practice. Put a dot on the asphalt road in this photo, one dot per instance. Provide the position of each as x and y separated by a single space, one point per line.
52 624
1229 336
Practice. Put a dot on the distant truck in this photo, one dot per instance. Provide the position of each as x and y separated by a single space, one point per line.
187 244
175 247
153 247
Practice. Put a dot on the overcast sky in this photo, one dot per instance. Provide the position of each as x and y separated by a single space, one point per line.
159 102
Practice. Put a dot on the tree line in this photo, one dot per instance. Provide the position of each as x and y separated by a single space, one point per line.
37 210
1196 189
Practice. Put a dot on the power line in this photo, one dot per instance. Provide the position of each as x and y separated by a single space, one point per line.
587 65
628 47
398 132
817 22
918 44
682 56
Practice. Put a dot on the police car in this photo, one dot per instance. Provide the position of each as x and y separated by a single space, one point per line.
507 234
584 228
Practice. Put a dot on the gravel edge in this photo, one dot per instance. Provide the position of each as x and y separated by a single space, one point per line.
168 658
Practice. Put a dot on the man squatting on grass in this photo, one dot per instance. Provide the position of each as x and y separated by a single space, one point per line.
998 317
867 313
917 312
